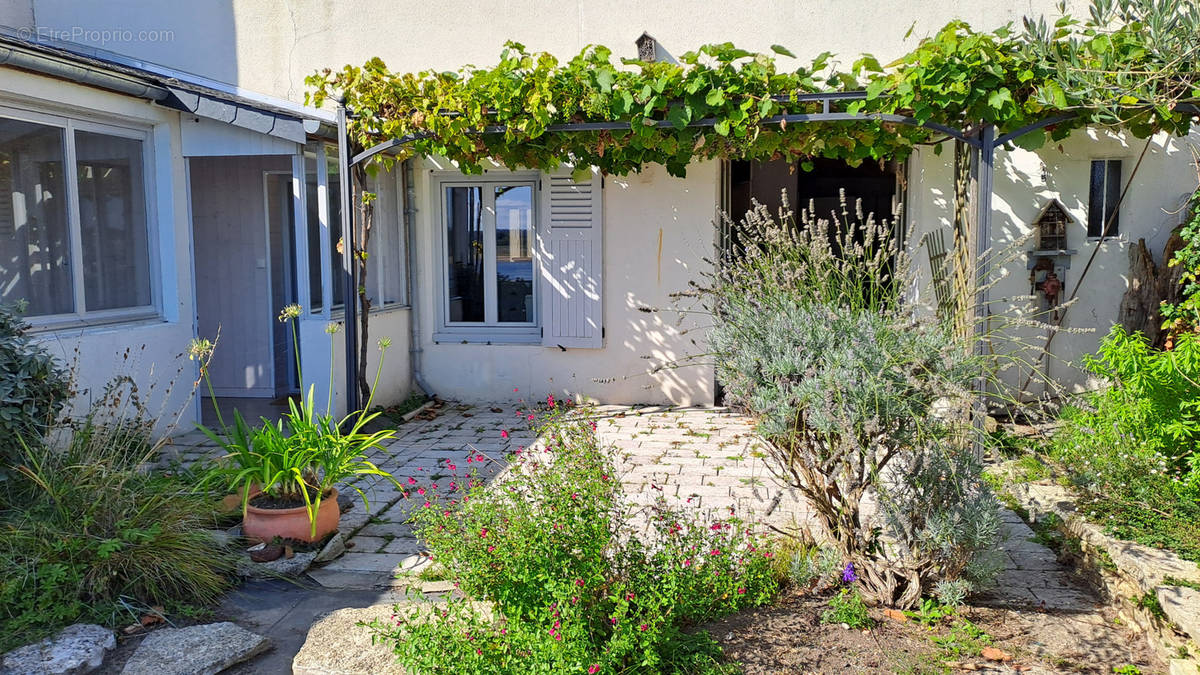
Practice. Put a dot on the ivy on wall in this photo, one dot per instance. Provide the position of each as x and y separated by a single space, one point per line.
1130 64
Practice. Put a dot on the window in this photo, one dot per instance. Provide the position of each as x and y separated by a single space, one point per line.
84 256
488 231
1103 195
385 260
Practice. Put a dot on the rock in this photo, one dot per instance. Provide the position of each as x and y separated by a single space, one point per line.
1184 667
333 549
195 650
283 567
1182 606
79 648
337 645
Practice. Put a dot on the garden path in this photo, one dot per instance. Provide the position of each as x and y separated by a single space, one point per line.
701 458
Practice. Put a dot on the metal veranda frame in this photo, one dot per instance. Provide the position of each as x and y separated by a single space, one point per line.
981 140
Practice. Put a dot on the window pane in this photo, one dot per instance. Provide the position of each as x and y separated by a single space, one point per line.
464 253
112 220
514 253
335 227
34 247
1096 199
383 248
1112 195
314 229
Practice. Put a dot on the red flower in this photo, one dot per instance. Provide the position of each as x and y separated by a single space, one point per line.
593 669
741 591
579 582
643 627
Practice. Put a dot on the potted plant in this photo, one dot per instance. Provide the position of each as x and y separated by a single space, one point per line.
287 471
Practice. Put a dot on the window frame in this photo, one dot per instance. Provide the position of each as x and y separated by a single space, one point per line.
335 309
69 124
483 331
1105 200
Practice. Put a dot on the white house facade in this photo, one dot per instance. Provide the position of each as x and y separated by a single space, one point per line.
161 179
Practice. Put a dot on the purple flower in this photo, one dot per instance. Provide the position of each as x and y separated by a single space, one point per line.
848 575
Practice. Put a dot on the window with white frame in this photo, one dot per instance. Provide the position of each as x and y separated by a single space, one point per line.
488 229
74 236
385 247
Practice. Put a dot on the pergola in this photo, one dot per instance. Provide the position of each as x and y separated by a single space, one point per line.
980 141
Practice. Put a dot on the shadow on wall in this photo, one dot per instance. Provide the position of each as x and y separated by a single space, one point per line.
647 269
196 37
1027 182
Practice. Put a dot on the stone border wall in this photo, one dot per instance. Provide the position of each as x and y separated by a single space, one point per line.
1129 574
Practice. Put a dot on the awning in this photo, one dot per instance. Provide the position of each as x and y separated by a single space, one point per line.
196 96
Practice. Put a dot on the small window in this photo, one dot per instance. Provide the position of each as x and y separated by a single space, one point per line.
488 230
1103 195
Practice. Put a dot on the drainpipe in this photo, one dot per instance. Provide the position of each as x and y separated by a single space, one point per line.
414 350
350 290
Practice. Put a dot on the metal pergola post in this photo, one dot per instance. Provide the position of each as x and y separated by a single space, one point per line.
350 290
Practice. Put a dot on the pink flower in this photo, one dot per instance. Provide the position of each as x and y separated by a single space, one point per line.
412 481
491 548
643 627
427 504
613 620
687 563
503 433
479 458
452 467
483 533
741 591
530 418
421 491
593 669
514 390
579 582
629 596
715 551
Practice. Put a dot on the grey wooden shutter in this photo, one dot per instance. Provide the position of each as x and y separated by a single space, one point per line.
571 256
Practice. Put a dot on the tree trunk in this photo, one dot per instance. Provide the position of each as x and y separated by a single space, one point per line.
1150 285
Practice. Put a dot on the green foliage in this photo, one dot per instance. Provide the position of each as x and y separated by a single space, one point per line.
854 396
964 639
90 536
1141 49
848 607
931 612
571 588
1132 448
1184 316
300 457
1127 669
1028 468
33 387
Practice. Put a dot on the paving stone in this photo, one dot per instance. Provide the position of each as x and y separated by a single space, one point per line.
362 543
365 562
195 650
78 648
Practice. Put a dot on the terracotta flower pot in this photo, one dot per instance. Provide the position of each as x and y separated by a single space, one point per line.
265 524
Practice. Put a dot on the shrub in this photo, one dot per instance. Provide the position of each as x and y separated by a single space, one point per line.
855 396
89 536
571 583
1133 448
33 386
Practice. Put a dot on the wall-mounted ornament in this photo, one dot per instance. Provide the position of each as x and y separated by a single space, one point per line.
1051 259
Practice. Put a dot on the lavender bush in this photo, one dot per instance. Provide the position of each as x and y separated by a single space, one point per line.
857 395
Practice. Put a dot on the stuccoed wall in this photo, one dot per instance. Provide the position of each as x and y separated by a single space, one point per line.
1025 182
269 46
636 210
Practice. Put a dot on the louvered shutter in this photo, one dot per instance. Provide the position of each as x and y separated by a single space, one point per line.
570 251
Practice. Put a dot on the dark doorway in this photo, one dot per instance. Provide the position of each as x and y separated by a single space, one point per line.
818 190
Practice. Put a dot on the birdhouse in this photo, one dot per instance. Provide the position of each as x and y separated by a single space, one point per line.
1051 225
